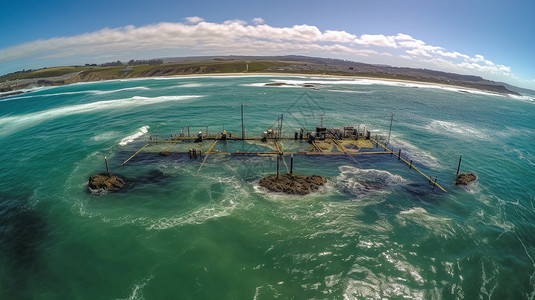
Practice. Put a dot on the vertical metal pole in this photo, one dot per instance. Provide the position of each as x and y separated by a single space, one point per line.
188 131
207 130
291 164
280 128
390 130
399 154
410 164
459 167
107 169
242 129
277 166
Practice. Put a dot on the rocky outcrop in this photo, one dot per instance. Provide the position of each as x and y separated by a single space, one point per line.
105 183
465 178
293 184
17 84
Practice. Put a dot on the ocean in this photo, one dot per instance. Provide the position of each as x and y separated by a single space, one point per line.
203 229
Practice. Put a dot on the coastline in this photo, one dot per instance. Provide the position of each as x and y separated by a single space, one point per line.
311 67
312 76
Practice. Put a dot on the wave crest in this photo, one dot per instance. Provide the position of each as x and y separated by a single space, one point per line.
361 182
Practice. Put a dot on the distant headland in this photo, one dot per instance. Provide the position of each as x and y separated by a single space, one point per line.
14 83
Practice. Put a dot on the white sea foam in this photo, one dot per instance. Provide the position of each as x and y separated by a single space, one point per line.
136 88
439 226
364 182
198 216
460 130
94 92
371 284
141 131
29 90
414 153
367 81
202 214
189 85
137 289
45 95
16 123
108 135
350 91
263 84
523 98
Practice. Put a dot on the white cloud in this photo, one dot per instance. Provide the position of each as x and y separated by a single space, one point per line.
338 36
376 40
418 52
196 36
258 21
452 54
478 58
489 69
194 20
235 21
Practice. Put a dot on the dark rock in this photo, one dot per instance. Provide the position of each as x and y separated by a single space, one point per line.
165 153
293 184
465 178
103 182
275 84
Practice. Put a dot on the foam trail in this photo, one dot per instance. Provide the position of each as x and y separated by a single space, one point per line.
45 95
137 290
523 98
108 135
350 91
362 182
94 92
439 226
12 124
336 81
456 129
141 131
137 88
415 153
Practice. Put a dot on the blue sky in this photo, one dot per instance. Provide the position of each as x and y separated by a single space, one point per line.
493 39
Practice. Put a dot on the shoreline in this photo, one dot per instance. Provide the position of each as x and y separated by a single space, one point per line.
417 84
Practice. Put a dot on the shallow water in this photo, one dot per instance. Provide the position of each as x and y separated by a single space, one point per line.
376 230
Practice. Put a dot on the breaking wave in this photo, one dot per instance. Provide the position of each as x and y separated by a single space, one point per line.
141 131
412 152
363 182
16 123
369 81
94 92
456 129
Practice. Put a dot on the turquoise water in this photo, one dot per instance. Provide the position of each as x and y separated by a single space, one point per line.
182 231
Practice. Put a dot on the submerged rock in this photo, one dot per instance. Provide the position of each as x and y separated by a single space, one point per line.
275 84
465 178
103 182
165 153
293 184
